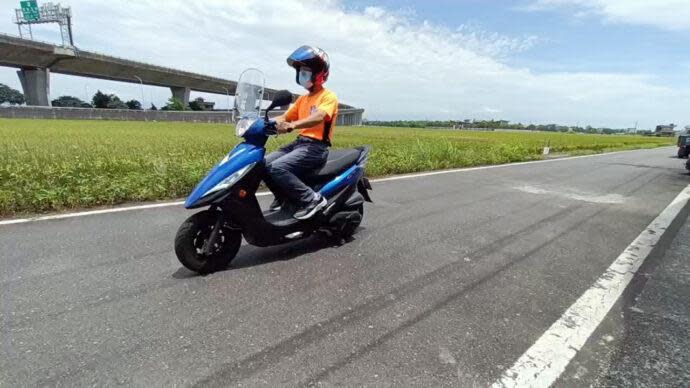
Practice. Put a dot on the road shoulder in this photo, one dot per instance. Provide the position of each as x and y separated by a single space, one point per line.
644 339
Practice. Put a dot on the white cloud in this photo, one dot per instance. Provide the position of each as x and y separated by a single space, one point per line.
666 14
388 63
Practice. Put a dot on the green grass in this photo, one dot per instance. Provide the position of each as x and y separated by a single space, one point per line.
52 165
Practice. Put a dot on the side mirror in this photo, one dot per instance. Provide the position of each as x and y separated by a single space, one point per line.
282 97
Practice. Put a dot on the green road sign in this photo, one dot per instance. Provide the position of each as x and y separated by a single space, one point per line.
30 10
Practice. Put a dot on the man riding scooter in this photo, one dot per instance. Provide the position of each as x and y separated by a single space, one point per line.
314 115
208 240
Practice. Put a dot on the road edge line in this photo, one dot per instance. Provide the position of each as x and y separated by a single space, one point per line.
544 362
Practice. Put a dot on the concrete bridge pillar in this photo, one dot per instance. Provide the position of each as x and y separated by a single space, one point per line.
182 93
36 85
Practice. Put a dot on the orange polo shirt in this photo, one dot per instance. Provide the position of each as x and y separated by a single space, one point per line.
325 101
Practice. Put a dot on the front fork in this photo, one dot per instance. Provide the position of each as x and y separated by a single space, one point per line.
211 242
206 249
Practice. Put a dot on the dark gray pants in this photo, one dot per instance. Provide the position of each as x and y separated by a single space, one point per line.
285 167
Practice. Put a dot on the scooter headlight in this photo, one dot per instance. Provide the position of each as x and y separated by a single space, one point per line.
243 125
231 180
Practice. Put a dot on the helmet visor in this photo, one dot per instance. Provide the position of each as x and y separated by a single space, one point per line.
301 55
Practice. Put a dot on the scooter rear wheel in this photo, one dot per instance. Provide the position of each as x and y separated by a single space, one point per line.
192 235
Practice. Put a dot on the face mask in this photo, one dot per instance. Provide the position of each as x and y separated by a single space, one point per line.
304 79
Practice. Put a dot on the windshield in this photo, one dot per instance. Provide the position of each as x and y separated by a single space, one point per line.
249 93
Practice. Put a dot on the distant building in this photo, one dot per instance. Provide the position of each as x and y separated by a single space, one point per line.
665 130
200 104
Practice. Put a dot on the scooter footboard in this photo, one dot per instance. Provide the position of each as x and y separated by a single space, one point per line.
256 229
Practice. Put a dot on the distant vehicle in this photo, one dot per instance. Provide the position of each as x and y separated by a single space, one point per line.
665 130
684 142
684 145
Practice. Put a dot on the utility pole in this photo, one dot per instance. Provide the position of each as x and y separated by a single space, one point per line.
141 84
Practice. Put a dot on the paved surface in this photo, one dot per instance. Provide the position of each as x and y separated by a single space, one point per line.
656 342
450 279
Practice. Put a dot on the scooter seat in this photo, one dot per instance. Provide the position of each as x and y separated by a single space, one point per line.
337 162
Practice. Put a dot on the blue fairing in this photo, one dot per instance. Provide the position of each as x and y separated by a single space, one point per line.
241 156
256 134
350 177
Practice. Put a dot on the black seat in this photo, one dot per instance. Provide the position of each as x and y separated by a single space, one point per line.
338 161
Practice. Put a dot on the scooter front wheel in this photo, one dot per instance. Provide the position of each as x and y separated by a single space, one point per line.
194 233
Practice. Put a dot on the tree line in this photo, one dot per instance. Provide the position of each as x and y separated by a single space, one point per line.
10 96
112 101
494 124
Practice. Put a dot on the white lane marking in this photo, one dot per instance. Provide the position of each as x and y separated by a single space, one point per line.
392 178
90 212
585 197
546 360
101 211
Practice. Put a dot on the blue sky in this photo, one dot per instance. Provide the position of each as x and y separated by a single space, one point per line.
599 62
564 42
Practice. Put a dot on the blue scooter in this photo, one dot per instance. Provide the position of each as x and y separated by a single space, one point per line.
207 241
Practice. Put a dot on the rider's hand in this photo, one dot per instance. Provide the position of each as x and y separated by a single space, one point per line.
285 127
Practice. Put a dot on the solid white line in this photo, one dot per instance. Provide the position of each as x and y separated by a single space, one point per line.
546 360
392 178
101 211
90 212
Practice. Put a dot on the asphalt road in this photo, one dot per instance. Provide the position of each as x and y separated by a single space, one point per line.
653 350
449 280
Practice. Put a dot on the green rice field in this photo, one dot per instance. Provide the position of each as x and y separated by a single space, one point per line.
55 165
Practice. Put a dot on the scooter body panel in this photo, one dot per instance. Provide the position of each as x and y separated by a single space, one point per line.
243 155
